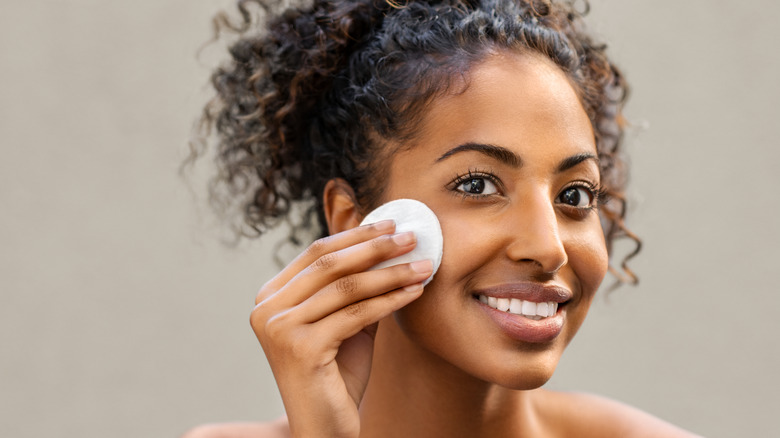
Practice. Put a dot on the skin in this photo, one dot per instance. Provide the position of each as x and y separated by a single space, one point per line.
368 353
517 232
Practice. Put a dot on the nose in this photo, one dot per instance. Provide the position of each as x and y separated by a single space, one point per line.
534 235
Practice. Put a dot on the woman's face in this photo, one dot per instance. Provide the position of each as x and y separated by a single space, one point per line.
509 166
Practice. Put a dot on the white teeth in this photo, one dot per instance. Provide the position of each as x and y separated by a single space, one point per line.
528 309
516 306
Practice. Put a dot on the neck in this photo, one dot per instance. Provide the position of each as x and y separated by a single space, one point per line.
414 392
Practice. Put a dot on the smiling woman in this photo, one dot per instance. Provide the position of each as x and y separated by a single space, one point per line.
502 117
524 144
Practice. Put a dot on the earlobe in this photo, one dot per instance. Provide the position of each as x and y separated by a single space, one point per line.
340 205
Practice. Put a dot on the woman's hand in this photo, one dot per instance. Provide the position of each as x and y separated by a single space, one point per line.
316 321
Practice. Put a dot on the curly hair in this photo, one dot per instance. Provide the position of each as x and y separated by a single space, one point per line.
310 94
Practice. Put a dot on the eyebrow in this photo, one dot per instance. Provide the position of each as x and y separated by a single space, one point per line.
568 163
508 157
499 153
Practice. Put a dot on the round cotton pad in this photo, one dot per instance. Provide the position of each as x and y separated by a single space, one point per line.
411 215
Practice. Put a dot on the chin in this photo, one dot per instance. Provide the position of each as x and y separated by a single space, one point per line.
525 375
527 379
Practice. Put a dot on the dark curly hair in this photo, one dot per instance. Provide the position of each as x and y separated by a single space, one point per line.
312 94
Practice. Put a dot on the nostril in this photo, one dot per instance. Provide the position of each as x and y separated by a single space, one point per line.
546 267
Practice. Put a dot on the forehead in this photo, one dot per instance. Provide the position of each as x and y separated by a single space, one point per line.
520 101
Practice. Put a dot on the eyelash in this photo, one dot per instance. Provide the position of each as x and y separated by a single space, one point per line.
599 192
470 175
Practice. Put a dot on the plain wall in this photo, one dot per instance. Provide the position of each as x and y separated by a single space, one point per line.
123 315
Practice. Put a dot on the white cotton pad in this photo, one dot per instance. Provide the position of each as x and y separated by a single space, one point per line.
411 215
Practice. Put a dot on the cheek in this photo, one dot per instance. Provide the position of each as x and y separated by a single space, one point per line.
588 262
470 243
475 240
588 257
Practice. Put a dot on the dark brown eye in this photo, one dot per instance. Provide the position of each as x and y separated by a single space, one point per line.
474 186
477 186
576 197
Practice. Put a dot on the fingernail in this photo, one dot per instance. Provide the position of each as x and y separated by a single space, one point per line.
422 266
404 239
413 287
385 225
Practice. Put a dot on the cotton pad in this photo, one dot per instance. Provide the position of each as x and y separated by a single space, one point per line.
411 215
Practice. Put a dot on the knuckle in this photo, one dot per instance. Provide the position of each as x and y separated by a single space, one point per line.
257 320
347 285
283 340
275 328
254 318
356 310
263 302
318 247
265 291
325 262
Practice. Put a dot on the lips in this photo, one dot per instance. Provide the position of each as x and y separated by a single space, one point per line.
528 312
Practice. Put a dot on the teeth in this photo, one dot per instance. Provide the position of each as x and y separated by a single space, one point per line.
516 306
528 309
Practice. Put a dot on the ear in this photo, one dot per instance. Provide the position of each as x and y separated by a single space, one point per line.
340 205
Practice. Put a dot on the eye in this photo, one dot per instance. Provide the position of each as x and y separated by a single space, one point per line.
577 196
476 185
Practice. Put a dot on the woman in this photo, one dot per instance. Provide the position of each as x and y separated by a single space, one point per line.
504 118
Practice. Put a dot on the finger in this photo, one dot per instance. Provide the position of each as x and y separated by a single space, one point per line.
335 265
350 320
319 248
361 286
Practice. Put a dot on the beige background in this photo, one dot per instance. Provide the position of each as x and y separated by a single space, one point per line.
122 315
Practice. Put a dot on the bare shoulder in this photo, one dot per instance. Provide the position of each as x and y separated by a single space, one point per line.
591 415
274 429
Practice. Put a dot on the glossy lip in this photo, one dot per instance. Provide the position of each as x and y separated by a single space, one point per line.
518 327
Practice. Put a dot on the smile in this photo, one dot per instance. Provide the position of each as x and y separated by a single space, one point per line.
529 309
